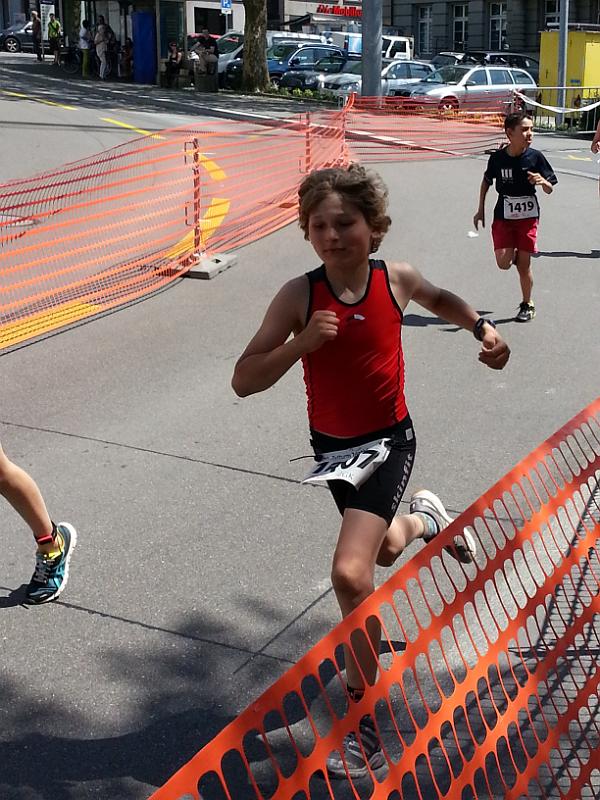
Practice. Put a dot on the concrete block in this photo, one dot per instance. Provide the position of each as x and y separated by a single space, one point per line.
207 268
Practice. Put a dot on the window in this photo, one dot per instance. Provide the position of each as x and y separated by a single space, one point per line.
523 77
397 47
500 77
459 26
478 77
424 37
419 70
552 12
497 25
399 71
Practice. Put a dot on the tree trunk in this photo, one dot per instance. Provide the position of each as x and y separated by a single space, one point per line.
255 74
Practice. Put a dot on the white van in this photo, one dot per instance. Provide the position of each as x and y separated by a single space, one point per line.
395 47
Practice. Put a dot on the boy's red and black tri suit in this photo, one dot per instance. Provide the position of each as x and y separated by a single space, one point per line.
355 389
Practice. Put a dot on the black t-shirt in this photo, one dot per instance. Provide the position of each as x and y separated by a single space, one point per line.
510 174
209 44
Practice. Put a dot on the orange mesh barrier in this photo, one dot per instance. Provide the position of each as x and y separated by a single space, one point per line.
102 231
395 128
81 239
489 678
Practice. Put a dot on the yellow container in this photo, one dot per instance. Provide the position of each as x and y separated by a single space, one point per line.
583 66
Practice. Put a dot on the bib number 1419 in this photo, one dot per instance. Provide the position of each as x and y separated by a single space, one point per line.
520 207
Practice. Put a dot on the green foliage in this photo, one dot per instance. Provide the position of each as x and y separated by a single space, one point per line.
299 94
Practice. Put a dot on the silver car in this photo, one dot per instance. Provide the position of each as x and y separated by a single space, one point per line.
470 87
395 76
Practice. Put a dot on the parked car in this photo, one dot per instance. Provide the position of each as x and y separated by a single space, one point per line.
447 58
394 76
231 45
301 57
341 85
464 87
503 58
17 37
315 78
281 57
392 47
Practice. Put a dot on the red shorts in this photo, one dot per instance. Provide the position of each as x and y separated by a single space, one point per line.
519 234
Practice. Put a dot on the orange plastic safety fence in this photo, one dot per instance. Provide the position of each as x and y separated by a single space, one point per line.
489 679
395 128
105 230
81 239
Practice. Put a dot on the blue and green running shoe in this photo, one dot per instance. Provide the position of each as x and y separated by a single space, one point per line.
51 574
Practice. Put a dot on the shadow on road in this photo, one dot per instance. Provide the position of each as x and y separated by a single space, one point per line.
566 254
55 753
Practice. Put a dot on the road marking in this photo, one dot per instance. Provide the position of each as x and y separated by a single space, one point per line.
44 322
215 214
131 127
580 158
213 169
37 99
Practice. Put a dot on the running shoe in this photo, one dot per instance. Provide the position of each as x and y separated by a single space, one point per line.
526 312
51 574
356 765
426 502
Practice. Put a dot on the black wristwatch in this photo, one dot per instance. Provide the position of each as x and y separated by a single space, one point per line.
478 327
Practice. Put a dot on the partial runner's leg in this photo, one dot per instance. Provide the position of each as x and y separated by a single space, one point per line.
525 274
505 257
352 576
23 494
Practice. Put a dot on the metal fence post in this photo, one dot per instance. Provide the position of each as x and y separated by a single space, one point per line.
198 244
308 145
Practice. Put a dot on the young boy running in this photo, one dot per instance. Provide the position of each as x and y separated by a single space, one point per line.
517 170
346 320
55 543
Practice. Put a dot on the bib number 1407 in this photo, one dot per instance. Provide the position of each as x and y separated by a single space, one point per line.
354 465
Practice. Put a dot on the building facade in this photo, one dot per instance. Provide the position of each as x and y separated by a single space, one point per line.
446 24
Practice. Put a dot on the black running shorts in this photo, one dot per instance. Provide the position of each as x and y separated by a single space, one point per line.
381 493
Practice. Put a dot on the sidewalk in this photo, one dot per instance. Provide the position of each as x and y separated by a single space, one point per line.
25 65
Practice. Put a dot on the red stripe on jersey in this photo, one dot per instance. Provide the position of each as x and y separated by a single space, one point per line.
355 383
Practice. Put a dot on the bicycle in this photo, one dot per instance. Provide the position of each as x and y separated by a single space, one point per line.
70 59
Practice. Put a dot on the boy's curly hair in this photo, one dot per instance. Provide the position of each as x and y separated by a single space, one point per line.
364 190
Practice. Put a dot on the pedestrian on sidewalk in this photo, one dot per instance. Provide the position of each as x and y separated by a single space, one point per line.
36 35
55 543
54 34
173 64
517 170
101 43
345 323
85 43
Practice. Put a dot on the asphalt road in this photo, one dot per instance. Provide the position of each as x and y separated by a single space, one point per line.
202 569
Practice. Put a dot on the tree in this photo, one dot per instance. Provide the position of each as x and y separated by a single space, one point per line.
255 74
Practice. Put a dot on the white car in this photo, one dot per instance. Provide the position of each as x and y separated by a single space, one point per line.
394 76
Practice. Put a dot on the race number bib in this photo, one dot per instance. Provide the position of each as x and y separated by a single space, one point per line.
354 465
521 207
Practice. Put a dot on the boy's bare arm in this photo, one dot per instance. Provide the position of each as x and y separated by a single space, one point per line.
480 213
537 179
270 355
494 351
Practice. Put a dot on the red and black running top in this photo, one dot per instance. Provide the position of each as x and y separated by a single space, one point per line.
355 383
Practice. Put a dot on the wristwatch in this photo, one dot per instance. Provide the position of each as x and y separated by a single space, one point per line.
478 327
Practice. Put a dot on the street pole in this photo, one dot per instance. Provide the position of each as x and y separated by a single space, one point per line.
563 49
371 48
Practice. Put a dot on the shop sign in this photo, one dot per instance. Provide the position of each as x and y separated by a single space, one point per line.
339 11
